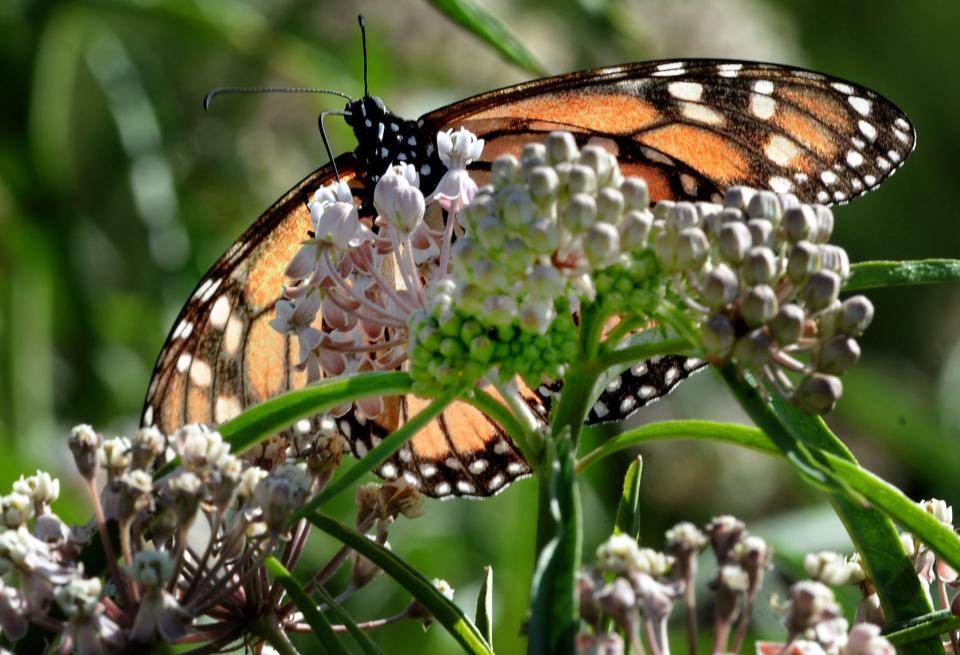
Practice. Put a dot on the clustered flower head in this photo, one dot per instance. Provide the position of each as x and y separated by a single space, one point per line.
558 227
760 272
190 546
636 588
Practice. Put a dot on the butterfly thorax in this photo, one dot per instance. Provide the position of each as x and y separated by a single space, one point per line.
383 138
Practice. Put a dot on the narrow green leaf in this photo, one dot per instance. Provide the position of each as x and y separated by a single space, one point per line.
280 412
628 512
923 627
365 641
443 610
326 638
869 275
554 617
375 457
475 18
485 606
881 494
739 435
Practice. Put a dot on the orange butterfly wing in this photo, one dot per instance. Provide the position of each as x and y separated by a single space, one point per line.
222 357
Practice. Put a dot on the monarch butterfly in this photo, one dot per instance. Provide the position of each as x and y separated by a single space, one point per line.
691 128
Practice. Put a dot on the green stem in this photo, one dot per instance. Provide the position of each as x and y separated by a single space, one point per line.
873 535
267 628
920 628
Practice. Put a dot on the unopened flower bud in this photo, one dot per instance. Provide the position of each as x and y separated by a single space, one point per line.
718 337
581 212
80 597
856 314
610 205
185 492
824 223
152 568
720 287
835 258
724 533
41 487
619 601
561 147
601 244
692 248
787 326
582 179
837 354
865 639
821 290
543 236
115 455
760 305
636 195
734 240
134 494
810 603
491 232
500 310
504 170
738 197
818 393
84 443
408 209
761 231
148 444
543 183
681 216
598 160
752 350
364 571
799 223
516 207
17 510
634 229
759 266
665 248
833 569
532 152
536 316
765 204
803 261
544 282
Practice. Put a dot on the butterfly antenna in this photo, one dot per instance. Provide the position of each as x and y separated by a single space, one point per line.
363 39
223 90
326 142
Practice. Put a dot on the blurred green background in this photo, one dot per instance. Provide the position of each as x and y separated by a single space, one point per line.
117 192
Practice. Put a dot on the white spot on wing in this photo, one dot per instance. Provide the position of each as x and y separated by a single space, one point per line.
701 113
200 373
729 70
861 105
479 466
842 88
465 487
762 106
228 407
867 129
854 158
515 468
828 177
692 91
428 470
183 362
495 482
781 150
442 489
763 86
780 184
220 312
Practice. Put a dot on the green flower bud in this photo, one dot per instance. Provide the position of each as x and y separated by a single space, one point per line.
516 255
765 204
602 244
490 275
720 287
469 329
636 195
692 248
752 350
837 354
634 229
856 314
504 170
544 282
543 183
799 223
561 147
470 297
818 393
734 241
581 212
761 230
760 305
759 266
581 179
491 232
500 310
787 326
738 197
718 336
803 261
451 348
821 290
481 349
610 205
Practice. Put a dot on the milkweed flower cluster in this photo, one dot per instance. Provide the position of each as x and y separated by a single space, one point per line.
760 273
186 564
637 588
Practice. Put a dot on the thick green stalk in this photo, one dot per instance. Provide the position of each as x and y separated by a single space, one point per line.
873 535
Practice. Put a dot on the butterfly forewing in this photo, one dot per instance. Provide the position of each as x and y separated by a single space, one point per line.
691 128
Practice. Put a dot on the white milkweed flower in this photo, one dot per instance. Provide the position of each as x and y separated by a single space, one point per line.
457 149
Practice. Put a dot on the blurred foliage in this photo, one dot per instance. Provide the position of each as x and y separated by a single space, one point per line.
117 191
